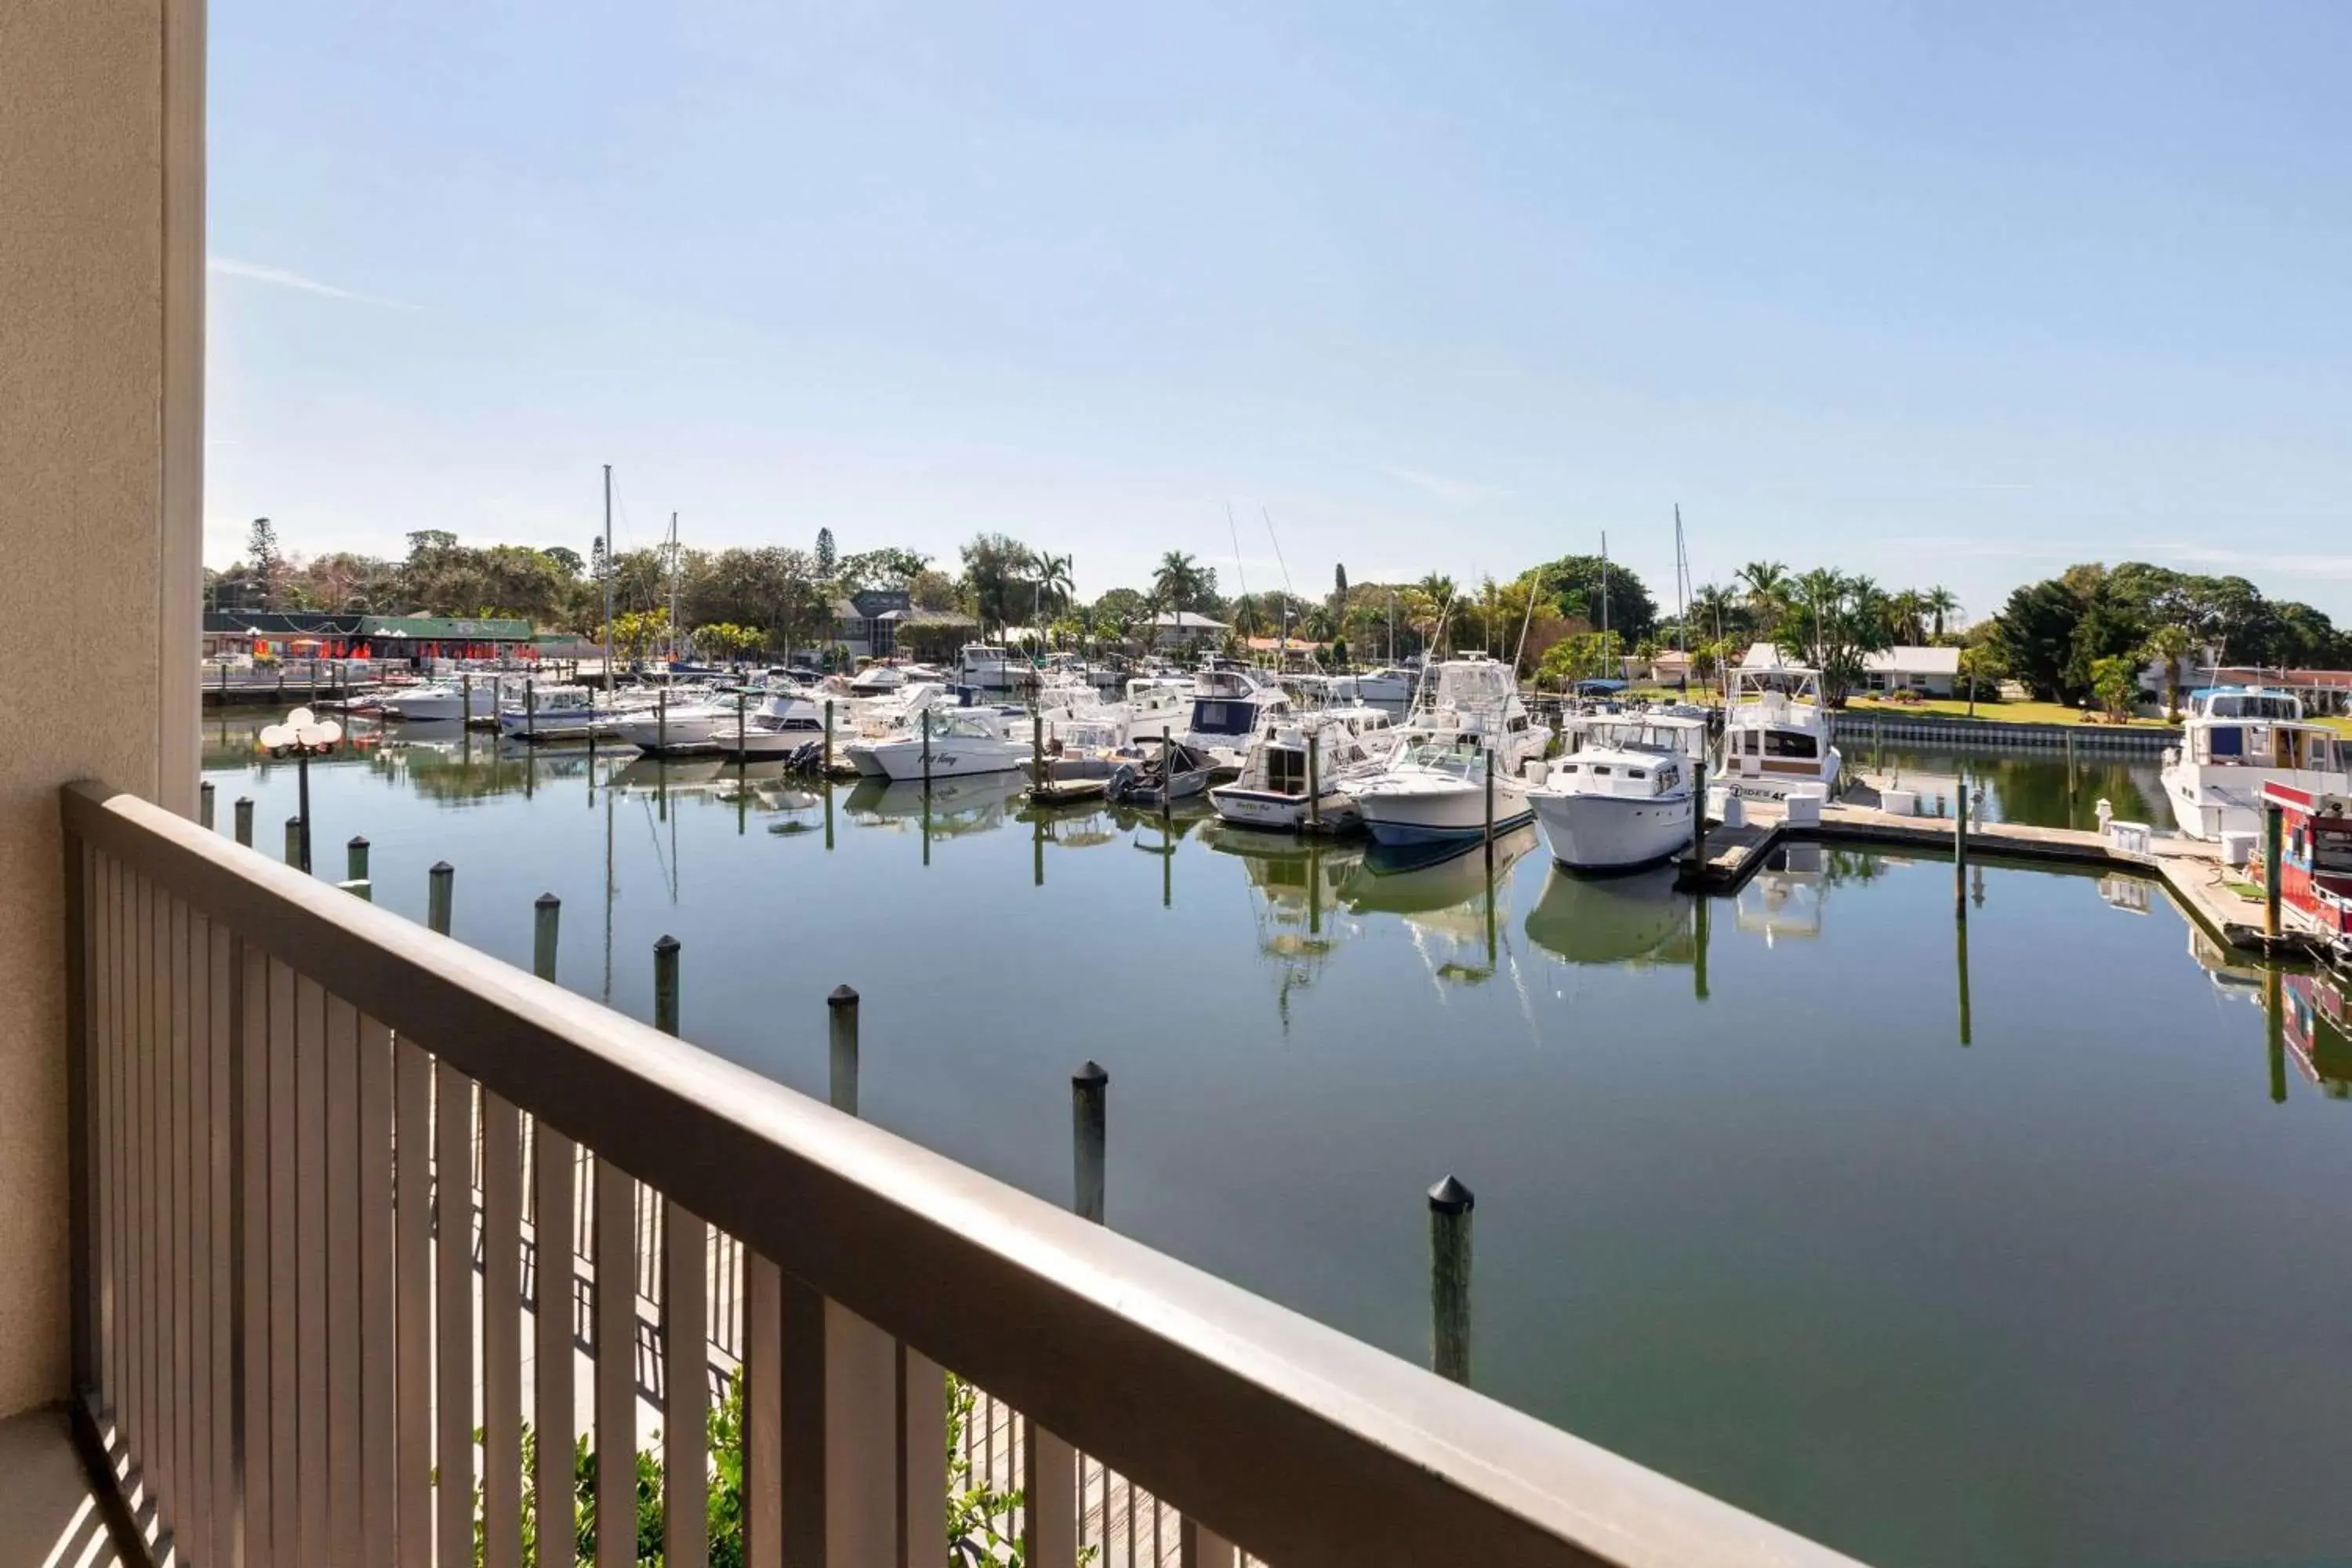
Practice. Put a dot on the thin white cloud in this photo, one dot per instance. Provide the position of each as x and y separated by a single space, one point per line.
285 278
1451 491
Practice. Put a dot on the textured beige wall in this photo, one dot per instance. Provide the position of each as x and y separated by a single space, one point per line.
101 312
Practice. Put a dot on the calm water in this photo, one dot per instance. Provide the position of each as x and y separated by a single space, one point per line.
1750 1210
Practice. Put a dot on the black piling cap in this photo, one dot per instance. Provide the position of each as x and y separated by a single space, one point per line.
546 902
359 841
842 996
1090 1076
441 869
1450 1196
666 944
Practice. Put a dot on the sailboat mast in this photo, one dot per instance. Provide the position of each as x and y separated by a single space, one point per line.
1604 605
1682 610
608 578
673 587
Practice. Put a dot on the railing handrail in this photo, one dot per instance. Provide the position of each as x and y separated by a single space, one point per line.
1306 1445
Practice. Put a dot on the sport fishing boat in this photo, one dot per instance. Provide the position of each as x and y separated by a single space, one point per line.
1470 736
2237 739
1229 708
683 729
1281 787
958 743
1624 797
1391 684
1776 737
559 713
447 701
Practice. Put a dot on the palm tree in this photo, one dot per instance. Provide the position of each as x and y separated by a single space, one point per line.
1054 582
1768 591
2169 645
1940 603
1178 581
1908 610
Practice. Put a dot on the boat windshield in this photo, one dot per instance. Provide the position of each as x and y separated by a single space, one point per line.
2253 705
1215 716
1474 683
1458 761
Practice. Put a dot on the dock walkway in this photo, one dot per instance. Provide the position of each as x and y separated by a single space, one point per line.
2190 870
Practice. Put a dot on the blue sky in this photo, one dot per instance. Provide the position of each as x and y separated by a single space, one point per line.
1941 294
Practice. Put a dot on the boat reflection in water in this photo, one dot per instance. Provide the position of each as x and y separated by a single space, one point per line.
1784 900
1296 888
2315 1027
1637 919
947 808
1446 898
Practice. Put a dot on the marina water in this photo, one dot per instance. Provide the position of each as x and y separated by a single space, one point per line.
1748 1208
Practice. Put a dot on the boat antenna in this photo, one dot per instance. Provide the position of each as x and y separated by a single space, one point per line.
608 581
1241 578
1282 655
1535 582
673 586
1682 612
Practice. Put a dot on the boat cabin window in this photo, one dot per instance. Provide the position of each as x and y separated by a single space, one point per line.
1601 768
1790 744
2331 854
1286 771
1570 767
1637 773
1215 718
1668 778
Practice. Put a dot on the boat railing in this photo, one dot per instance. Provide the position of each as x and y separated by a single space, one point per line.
290 1334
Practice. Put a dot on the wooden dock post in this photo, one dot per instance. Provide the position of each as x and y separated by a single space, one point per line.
1036 752
841 1021
530 709
1698 818
927 762
1699 935
241 815
363 890
440 882
1167 786
1315 780
1450 1204
1490 813
205 804
743 756
2274 845
661 720
1960 935
355 858
294 843
1961 851
1089 1136
828 763
546 914
665 983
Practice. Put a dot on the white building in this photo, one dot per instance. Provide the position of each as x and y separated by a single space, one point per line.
1929 671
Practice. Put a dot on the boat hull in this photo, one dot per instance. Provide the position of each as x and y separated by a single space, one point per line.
1612 832
2208 802
1439 812
1766 783
1277 813
902 761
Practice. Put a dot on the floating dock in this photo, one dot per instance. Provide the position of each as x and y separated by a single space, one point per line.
2190 870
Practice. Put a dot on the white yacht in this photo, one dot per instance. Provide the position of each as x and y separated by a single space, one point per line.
960 742
877 681
1229 707
1777 734
875 720
558 713
1471 722
1276 781
700 725
778 727
447 702
1391 684
1624 797
988 668
2236 739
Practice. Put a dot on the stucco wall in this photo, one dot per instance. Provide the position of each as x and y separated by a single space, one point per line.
99 530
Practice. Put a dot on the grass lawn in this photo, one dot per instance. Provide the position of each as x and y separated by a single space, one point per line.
1992 713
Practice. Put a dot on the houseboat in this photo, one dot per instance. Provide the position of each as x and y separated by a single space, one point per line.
2315 869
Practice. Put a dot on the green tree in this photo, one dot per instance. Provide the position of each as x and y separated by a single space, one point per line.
885 568
1768 592
1834 623
2115 682
2035 636
995 567
1980 672
1942 605
1181 583
932 590
2168 648
265 559
567 560
827 559
1575 583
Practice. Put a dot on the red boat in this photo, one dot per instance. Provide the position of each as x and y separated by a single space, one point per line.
2315 870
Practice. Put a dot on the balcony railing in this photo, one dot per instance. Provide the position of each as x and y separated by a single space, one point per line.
298 1359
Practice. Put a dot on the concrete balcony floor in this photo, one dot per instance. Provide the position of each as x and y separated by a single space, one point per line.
49 1516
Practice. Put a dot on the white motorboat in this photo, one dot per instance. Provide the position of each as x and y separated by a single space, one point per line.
959 741
1284 787
1471 722
873 722
1391 684
988 668
1776 737
1229 707
685 728
1437 792
778 728
448 702
1623 799
877 681
1158 776
2234 741
558 713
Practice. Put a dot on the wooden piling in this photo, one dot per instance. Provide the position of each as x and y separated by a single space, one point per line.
1450 1204
743 756
440 882
1961 851
1698 817
466 700
841 1030
2274 1030
205 804
1089 1135
661 720
2274 845
1036 749
546 914
361 889
927 754
241 814
1960 938
665 983
355 858
294 842
828 756
1314 780
1167 785
530 709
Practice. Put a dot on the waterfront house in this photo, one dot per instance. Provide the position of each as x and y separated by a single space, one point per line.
1175 629
255 1303
1927 671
